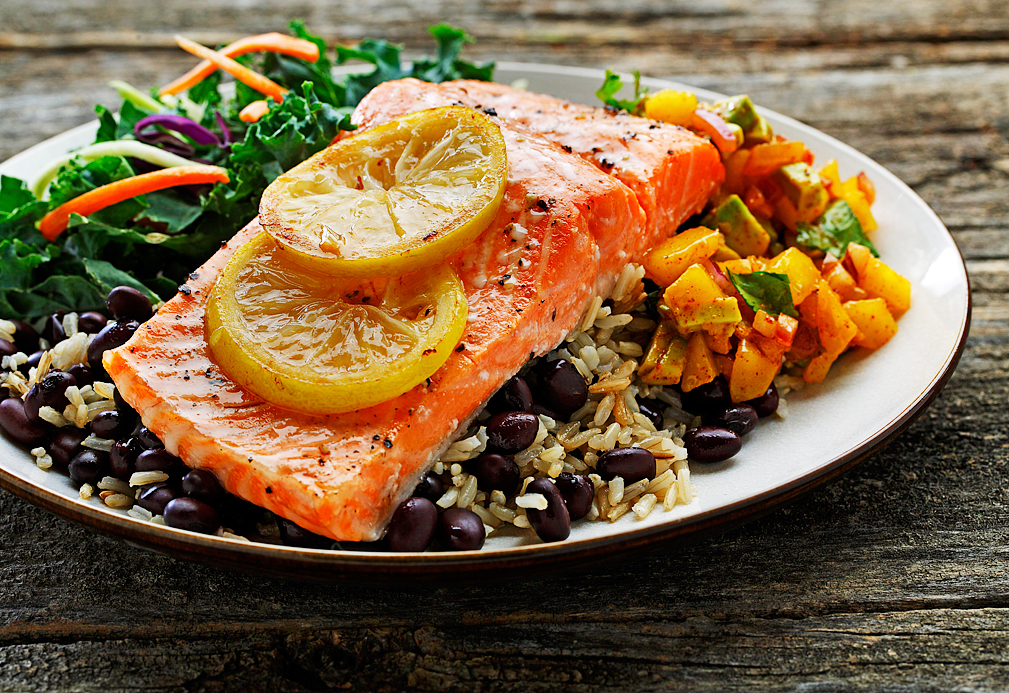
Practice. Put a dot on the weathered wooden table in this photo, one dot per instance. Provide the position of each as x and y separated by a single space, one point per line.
890 579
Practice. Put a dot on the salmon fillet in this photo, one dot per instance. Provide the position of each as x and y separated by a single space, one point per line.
666 166
562 234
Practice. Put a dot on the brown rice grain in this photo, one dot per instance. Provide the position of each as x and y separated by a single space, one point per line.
644 505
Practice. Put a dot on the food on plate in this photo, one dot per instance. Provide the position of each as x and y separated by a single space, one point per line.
562 234
521 338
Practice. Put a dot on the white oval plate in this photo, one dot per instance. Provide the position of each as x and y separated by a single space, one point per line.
866 400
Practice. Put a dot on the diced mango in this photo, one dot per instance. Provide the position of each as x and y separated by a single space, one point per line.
858 257
840 280
734 165
867 187
816 370
752 372
700 367
671 106
830 176
668 260
836 329
856 199
666 356
767 158
803 276
875 323
765 324
718 337
878 280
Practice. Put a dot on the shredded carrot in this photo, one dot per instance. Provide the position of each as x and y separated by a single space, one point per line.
262 84
271 43
254 111
55 222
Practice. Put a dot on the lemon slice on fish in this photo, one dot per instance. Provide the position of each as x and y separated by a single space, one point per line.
392 199
306 341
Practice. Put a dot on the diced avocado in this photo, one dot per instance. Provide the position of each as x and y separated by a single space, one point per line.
743 233
721 311
739 110
663 364
803 188
760 133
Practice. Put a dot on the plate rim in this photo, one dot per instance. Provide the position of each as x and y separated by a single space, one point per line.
389 567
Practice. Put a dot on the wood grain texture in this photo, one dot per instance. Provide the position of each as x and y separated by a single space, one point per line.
894 578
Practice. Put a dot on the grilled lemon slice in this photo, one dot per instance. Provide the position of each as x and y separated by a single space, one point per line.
303 340
393 199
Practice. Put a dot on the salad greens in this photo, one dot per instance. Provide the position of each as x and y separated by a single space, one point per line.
152 242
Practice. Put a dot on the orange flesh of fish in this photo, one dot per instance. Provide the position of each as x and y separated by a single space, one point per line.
527 278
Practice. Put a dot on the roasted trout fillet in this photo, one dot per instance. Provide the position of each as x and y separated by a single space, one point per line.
561 236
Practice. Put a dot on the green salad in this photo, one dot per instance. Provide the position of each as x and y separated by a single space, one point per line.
153 241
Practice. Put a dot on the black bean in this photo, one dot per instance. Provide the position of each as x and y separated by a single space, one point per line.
202 485
460 530
123 458
562 388
156 496
91 322
578 492
48 392
66 443
706 398
512 431
148 438
52 328
89 467
631 464
25 337
496 472
514 395
18 426
738 418
111 336
159 460
113 424
293 535
32 362
120 403
126 303
412 525
191 514
7 348
711 443
82 374
767 403
652 410
554 522
430 487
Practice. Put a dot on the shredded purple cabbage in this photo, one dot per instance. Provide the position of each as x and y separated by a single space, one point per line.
150 130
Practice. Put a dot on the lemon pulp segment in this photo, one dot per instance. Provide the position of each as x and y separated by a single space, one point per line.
303 340
392 199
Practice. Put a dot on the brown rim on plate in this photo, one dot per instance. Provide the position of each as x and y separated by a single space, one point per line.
378 567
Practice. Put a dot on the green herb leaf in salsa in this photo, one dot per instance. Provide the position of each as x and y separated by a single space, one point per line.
613 84
834 230
766 291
